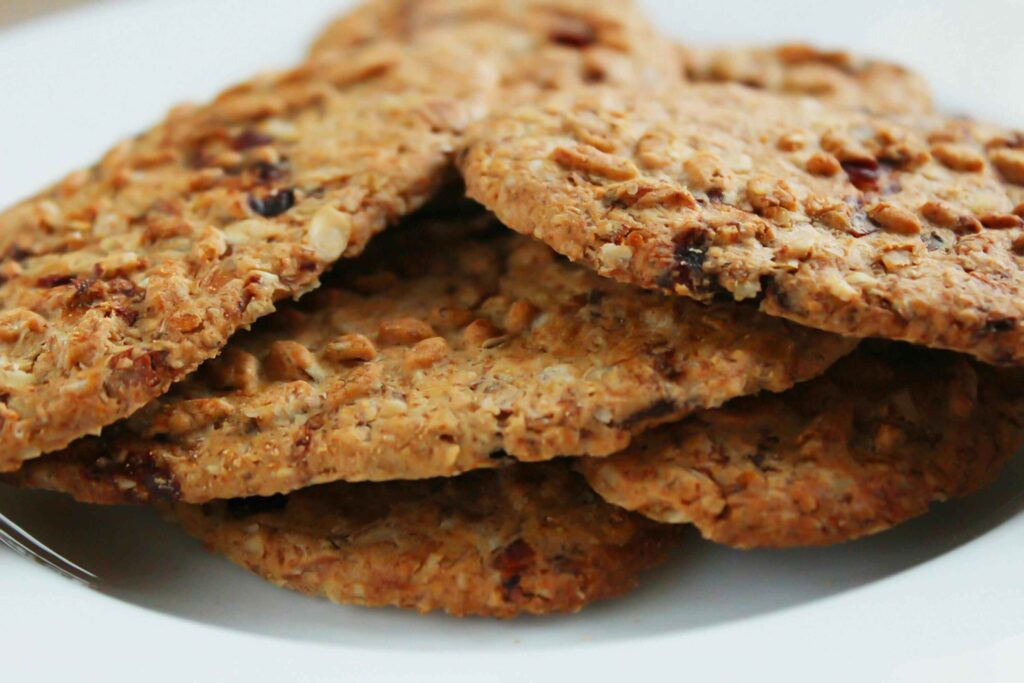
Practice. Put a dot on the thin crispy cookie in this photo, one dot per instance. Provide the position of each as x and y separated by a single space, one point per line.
446 347
835 77
904 228
532 539
536 45
122 278
873 443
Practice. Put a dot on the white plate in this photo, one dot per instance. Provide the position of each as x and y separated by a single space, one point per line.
939 599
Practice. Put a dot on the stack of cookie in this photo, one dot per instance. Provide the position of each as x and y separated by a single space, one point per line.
767 293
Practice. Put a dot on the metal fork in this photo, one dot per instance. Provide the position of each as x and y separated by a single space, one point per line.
21 542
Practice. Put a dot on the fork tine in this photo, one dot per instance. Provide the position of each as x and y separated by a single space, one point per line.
8 542
20 541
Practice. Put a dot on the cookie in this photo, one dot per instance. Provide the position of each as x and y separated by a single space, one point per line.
536 45
874 442
450 345
124 277
907 228
834 76
532 539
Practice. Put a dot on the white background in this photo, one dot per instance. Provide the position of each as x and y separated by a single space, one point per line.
940 599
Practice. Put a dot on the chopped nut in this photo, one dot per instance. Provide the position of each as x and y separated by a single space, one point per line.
958 157
16 322
615 256
587 132
895 218
823 164
235 369
288 361
426 353
706 172
329 233
767 195
449 318
902 151
404 331
945 216
520 316
1010 163
846 149
185 321
593 161
652 151
189 416
833 214
1001 221
350 347
479 332
645 194
792 142
896 260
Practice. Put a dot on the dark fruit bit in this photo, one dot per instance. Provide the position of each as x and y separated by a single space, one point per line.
716 195
246 507
863 174
574 33
272 205
1000 325
268 172
249 139
51 281
514 559
658 409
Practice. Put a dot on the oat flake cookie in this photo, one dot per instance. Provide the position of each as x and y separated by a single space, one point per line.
536 45
874 442
450 344
531 539
832 76
907 228
123 277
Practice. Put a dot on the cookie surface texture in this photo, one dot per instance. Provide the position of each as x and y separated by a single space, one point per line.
532 539
907 228
871 444
124 277
450 345
835 77
536 45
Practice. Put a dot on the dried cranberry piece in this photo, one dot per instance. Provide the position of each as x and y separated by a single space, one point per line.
274 204
250 138
268 172
51 281
863 174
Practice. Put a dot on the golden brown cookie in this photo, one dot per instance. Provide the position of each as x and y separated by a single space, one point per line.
450 344
123 277
535 44
884 434
531 539
836 77
903 228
